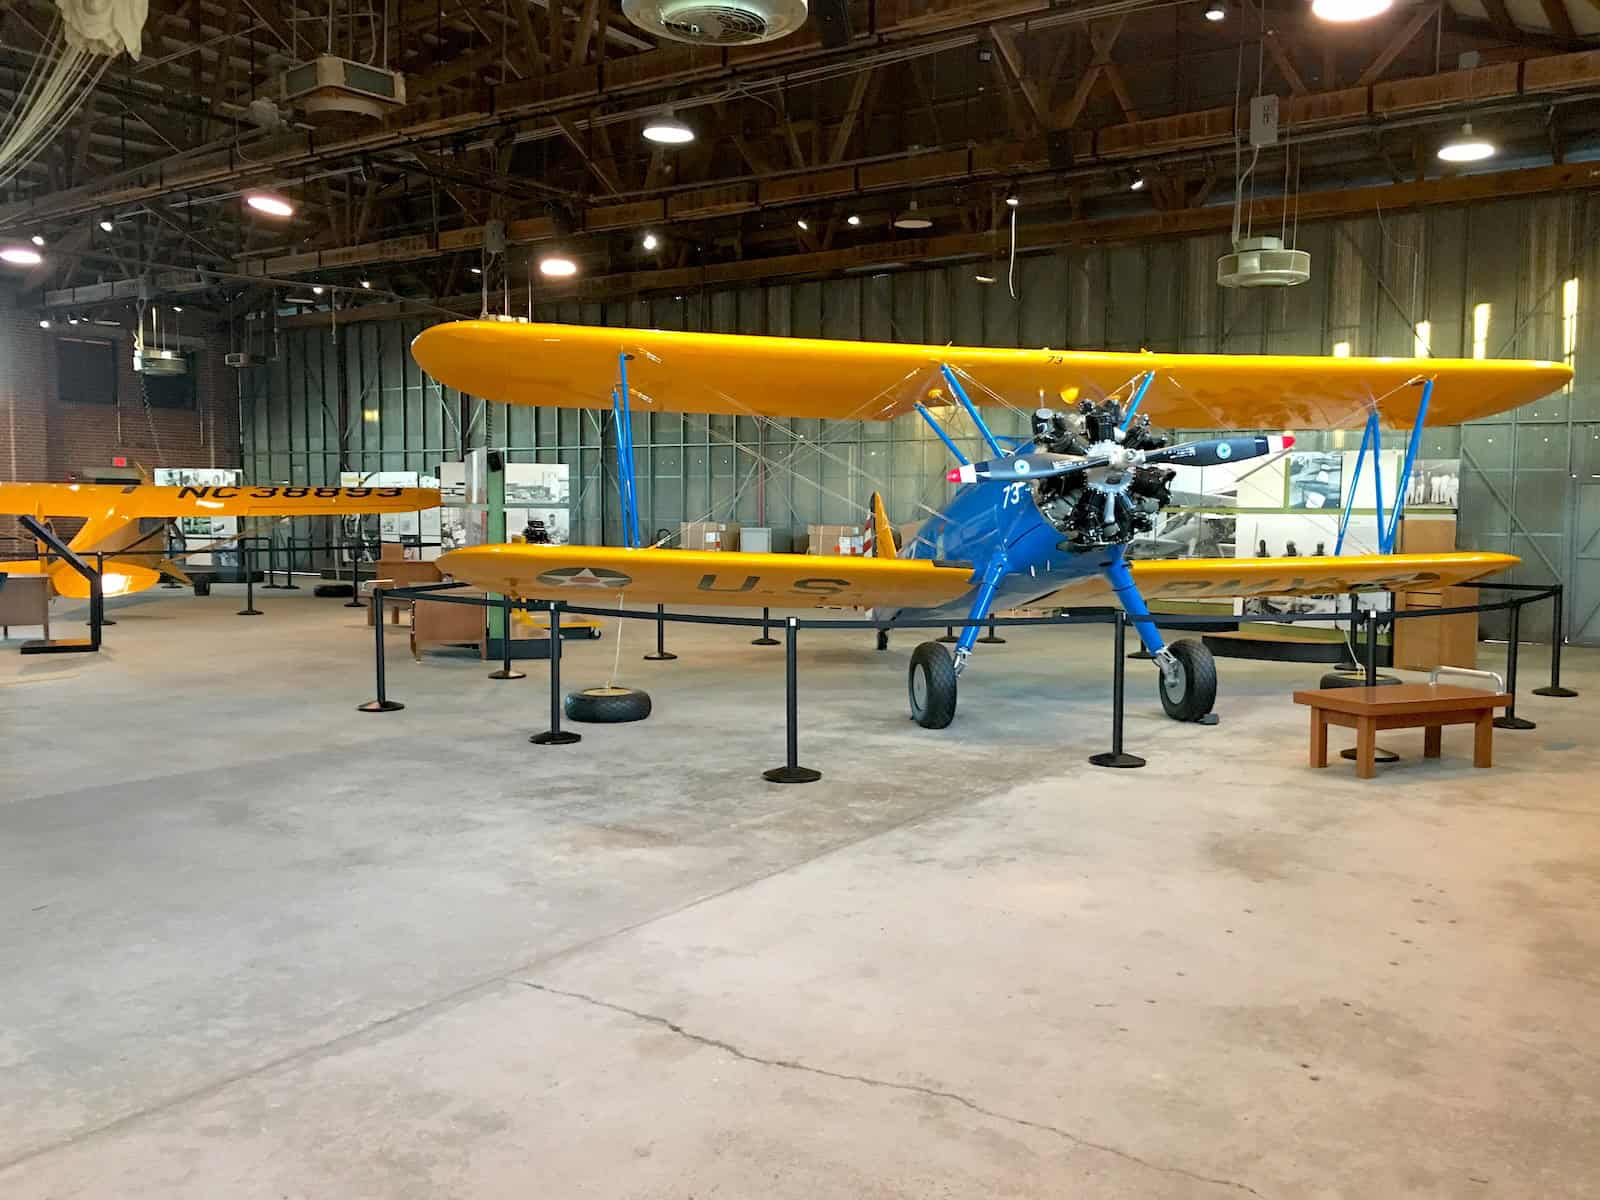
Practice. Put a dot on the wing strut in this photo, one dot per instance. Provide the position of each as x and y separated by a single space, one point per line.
1372 446
625 462
961 395
943 436
1138 397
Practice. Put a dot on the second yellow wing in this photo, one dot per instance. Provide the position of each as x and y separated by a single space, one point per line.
595 576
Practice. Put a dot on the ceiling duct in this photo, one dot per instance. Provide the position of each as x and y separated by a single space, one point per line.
717 22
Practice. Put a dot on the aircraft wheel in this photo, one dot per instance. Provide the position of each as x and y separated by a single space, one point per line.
932 686
607 705
1192 691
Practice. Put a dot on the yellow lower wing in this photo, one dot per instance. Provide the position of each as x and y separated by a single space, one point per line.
596 575
1218 578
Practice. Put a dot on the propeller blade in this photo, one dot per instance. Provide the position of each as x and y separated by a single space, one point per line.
1021 467
1220 450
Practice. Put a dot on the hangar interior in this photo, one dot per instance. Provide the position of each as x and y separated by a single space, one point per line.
260 943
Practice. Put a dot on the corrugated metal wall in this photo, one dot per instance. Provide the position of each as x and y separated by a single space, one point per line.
1531 479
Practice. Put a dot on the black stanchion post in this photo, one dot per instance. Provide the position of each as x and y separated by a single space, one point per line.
355 574
248 561
100 569
1510 720
1372 647
791 771
661 653
382 703
1116 757
289 585
1558 633
949 638
505 671
555 735
272 560
992 638
766 638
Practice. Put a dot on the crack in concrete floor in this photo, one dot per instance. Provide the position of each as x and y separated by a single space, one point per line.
789 1064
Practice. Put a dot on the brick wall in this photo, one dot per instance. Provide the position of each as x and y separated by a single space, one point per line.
44 440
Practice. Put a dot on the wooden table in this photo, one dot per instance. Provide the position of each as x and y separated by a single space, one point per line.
1405 706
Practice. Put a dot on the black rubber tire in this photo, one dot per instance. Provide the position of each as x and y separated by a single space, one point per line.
1348 679
1199 683
931 686
607 706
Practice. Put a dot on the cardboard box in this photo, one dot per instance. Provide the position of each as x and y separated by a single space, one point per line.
834 539
709 535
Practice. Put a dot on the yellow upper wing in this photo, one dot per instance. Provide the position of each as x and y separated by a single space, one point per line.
594 576
575 366
135 500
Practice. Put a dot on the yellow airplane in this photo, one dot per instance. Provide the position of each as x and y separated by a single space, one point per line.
112 513
1043 523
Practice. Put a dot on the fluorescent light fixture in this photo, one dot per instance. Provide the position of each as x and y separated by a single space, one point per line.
177 308
37 239
912 219
667 130
367 283
1215 11
301 299
1341 349
803 223
1480 330
44 322
105 224
651 241
984 277
557 266
1012 199
269 203
1138 183
477 270
1466 147
21 256
1349 10
317 290
852 219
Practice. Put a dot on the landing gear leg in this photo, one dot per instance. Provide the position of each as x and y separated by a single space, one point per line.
932 682
1187 681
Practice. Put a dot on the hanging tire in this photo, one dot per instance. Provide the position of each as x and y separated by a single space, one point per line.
607 705
932 686
1192 692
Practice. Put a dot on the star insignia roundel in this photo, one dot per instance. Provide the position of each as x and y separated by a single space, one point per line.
585 577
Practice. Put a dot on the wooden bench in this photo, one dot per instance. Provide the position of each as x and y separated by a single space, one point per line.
1427 706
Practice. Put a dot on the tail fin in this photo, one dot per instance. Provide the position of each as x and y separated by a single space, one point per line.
881 539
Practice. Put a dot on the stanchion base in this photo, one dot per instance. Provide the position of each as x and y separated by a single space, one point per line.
272 587
1143 656
791 775
947 639
356 604
288 587
663 656
765 641
1379 755
1514 723
1108 759
555 737
243 612
380 706
992 639
502 673
1564 693
103 621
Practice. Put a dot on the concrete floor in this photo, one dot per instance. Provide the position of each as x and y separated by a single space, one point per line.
258 944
